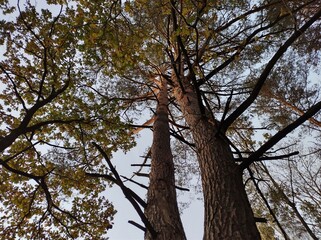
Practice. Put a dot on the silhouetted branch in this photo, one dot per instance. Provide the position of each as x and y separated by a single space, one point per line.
281 134
137 183
270 157
137 225
142 174
180 138
242 108
127 193
23 126
114 180
140 165
182 189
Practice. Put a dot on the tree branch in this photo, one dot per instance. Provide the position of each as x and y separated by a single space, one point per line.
242 108
280 135
137 183
127 193
23 126
137 225
271 157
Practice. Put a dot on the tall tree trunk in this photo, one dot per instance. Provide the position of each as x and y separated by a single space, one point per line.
228 214
162 210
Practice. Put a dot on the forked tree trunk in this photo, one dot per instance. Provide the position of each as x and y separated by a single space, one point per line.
228 214
162 210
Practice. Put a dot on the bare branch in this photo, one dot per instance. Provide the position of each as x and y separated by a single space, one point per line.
137 225
271 157
137 183
182 189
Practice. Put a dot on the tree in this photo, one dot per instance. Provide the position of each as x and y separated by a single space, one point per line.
203 65
287 191
293 193
162 210
49 116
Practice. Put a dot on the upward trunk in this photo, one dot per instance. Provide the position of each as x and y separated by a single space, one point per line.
228 214
162 210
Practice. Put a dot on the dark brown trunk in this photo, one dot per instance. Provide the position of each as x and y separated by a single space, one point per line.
162 210
228 214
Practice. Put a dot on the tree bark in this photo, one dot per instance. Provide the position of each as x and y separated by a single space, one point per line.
228 214
162 210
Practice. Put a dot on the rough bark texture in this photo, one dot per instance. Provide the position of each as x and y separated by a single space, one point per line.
162 210
228 214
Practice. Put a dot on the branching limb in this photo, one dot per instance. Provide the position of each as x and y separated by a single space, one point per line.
138 128
264 75
19 172
114 180
148 155
280 135
140 165
127 194
15 88
137 183
6 160
271 157
180 138
137 225
23 126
